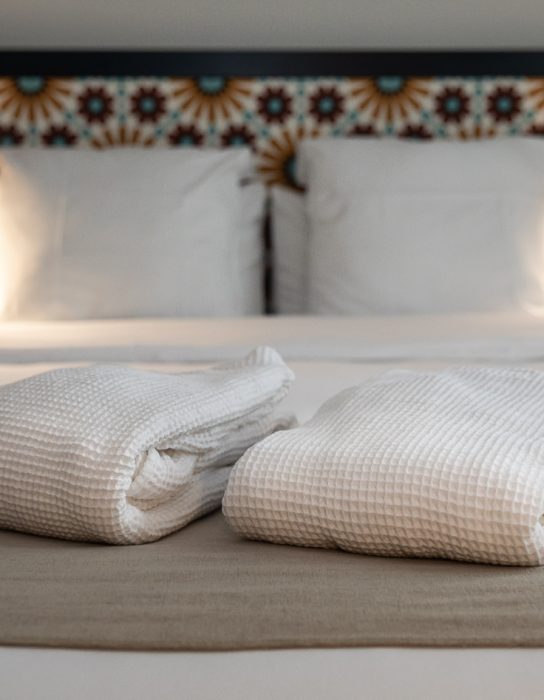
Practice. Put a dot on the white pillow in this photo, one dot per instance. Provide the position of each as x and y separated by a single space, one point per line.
126 232
402 226
290 249
251 249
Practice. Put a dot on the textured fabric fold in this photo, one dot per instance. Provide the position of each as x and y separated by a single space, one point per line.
112 454
434 464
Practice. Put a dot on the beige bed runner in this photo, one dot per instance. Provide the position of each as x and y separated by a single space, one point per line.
204 588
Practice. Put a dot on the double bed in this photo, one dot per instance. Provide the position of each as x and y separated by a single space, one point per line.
202 612
55 595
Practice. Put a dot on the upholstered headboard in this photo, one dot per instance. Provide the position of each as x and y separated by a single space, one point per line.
269 100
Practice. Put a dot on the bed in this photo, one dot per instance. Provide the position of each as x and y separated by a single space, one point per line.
348 352
327 355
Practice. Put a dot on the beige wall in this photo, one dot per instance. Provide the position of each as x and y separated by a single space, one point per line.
274 23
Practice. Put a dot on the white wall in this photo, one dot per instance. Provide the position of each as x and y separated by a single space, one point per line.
272 23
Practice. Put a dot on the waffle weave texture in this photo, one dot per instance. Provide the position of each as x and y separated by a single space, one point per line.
116 455
447 464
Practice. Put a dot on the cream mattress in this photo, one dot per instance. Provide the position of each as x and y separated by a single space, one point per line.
327 356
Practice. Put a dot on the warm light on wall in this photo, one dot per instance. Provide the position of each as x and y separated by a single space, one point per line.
4 260
16 200
533 304
12 262
4 267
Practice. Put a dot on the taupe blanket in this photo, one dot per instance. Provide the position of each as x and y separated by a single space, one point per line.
203 588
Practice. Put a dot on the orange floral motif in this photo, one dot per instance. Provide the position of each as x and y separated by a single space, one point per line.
389 97
31 97
212 97
121 136
535 92
277 158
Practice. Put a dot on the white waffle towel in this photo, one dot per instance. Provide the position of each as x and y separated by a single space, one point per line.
447 464
116 455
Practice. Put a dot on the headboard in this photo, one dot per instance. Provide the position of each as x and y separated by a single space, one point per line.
269 100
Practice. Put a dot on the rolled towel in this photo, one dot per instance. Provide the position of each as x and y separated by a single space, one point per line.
447 464
112 454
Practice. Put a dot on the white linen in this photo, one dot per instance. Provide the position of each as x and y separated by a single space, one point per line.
398 226
417 464
115 455
249 257
89 234
505 337
327 355
290 234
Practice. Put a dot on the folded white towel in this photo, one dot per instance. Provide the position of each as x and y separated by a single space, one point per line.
447 464
116 455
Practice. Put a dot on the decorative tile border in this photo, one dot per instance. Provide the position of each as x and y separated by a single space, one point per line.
270 114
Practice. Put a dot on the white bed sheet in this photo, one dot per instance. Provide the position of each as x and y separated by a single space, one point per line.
327 355
517 337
